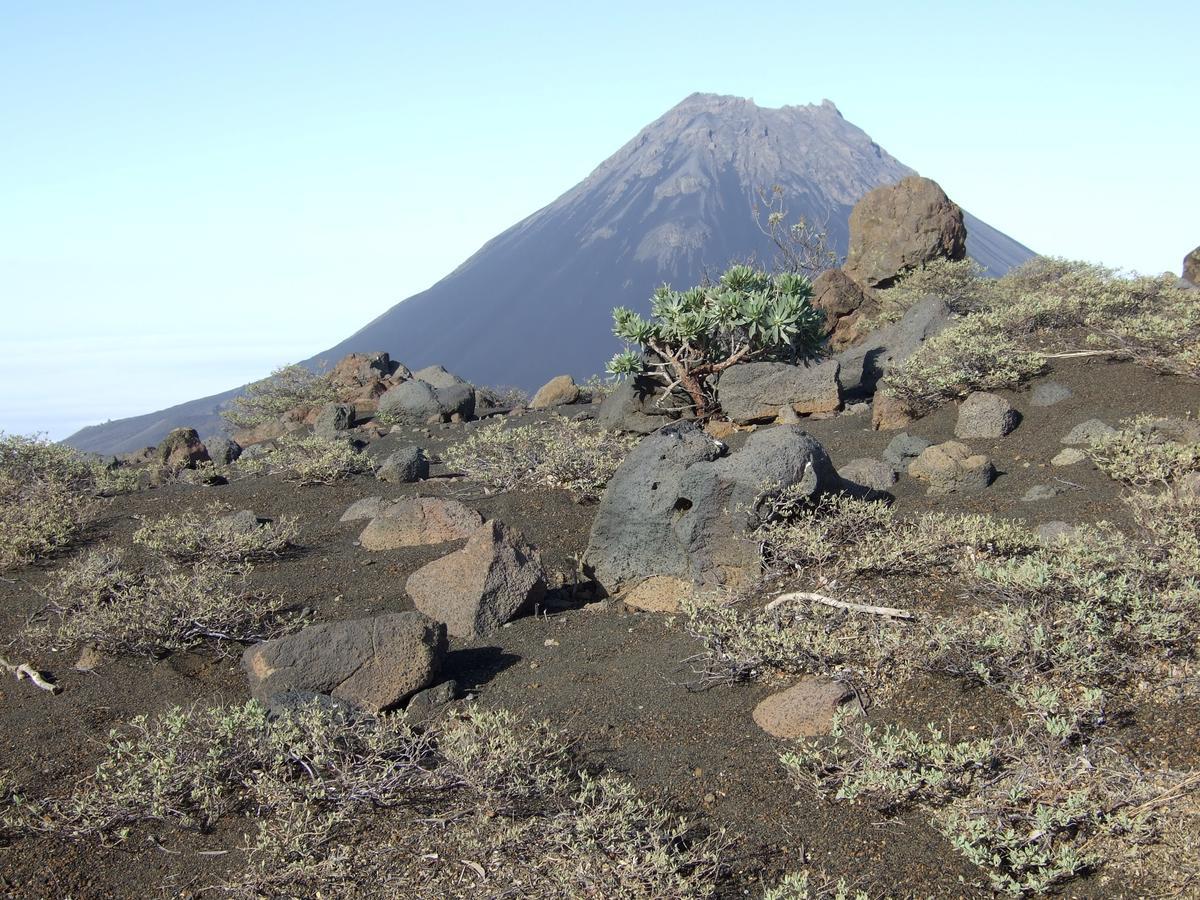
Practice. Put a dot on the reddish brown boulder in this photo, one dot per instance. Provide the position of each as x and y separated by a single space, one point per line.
477 589
417 521
844 304
900 227
804 710
182 449
1191 267
888 413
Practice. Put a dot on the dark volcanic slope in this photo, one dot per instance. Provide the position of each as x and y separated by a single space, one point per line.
536 301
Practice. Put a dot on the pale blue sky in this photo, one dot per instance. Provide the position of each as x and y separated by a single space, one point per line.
192 194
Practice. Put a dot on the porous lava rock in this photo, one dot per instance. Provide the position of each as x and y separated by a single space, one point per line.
418 521
677 506
181 449
985 415
952 468
558 391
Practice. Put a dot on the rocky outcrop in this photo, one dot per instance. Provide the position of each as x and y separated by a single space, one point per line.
477 589
677 506
420 402
370 663
356 370
900 227
558 391
762 391
952 468
862 366
984 415
222 450
334 419
903 449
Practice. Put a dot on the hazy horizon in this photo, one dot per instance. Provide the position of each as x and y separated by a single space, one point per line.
194 196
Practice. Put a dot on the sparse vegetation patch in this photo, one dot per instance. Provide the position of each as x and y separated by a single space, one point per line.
96 600
479 787
283 390
216 535
573 456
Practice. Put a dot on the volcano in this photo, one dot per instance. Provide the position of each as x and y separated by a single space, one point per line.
674 203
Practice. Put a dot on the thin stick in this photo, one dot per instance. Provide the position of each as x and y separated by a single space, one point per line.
1074 354
889 611
24 670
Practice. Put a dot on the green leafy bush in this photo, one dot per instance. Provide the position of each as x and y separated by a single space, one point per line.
573 456
695 334
285 389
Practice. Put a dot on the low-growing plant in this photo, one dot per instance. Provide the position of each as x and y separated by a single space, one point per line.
479 784
95 600
498 397
968 356
805 885
1140 453
843 536
1008 326
217 535
574 456
694 335
309 459
285 389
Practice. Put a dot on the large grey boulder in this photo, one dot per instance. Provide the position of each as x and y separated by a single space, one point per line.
477 589
985 415
437 376
1090 432
418 401
862 366
370 663
900 227
333 419
763 391
677 507
872 474
631 406
222 450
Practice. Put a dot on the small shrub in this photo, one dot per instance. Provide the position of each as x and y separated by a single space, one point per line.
890 767
804 885
844 536
212 535
285 389
693 335
959 283
573 456
1139 454
97 601
311 459
968 356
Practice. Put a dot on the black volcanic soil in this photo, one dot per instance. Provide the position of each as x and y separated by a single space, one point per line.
614 680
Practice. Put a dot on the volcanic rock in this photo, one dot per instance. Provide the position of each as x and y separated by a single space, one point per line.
371 663
900 227
762 391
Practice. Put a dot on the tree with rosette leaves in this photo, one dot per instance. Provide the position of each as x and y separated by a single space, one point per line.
694 335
